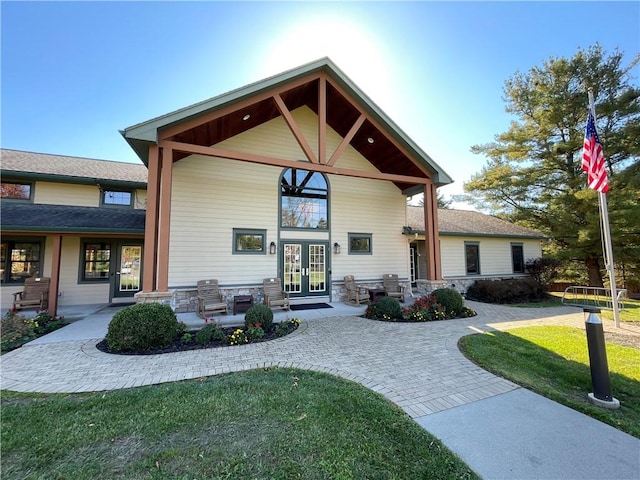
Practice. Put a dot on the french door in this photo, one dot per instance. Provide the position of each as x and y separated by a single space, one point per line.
128 270
304 268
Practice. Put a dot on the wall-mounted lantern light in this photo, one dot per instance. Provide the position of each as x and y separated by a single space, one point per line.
336 248
272 248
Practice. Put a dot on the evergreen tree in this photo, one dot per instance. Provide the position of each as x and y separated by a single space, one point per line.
534 176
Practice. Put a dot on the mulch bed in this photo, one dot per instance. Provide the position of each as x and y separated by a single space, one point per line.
181 346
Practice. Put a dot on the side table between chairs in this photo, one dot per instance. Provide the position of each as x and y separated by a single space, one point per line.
242 303
376 294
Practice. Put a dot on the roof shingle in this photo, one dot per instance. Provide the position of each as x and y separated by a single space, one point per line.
82 168
18 216
465 222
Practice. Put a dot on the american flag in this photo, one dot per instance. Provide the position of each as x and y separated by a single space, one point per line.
593 158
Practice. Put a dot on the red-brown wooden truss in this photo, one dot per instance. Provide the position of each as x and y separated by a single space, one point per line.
335 109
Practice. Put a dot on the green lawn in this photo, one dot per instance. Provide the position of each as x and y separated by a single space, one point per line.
261 424
630 312
554 362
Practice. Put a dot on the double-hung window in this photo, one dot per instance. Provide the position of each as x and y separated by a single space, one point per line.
95 262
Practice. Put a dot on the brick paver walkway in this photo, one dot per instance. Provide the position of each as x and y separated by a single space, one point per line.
415 365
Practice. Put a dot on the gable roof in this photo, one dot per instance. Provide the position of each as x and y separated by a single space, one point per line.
62 168
468 223
37 217
297 87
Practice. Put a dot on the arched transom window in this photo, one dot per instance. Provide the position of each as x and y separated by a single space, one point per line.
304 199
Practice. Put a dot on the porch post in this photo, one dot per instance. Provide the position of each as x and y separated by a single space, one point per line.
164 219
432 237
151 222
54 286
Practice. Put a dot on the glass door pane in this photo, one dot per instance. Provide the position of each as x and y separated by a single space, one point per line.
317 274
130 260
292 267
412 260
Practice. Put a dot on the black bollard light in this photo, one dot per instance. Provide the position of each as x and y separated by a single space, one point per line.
598 361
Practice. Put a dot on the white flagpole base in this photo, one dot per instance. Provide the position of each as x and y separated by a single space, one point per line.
612 404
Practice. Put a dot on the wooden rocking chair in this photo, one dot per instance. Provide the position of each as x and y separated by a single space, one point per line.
274 295
209 298
392 287
34 295
355 294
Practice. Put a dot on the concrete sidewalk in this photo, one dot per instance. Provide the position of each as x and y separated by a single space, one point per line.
498 428
522 435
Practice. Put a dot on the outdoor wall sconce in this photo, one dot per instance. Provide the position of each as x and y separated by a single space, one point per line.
336 248
272 248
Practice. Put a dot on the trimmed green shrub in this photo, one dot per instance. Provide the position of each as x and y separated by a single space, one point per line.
254 333
543 270
286 327
450 300
387 308
512 290
209 333
143 326
259 316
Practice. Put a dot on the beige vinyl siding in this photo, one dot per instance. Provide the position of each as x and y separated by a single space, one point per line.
74 293
78 195
211 196
140 200
368 206
495 254
66 194
532 248
452 256
324 236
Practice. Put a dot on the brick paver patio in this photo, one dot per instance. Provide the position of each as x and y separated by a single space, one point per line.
415 365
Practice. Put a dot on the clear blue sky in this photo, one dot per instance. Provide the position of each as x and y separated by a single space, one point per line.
75 73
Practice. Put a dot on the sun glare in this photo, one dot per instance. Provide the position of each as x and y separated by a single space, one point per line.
349 45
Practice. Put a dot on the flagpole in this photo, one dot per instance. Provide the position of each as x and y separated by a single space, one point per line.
606 236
